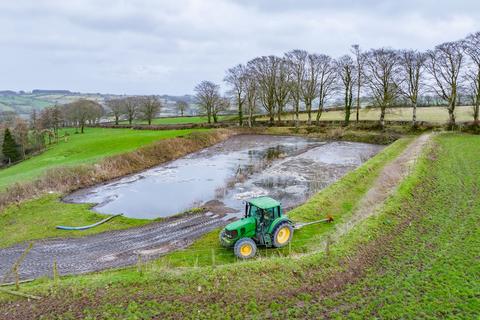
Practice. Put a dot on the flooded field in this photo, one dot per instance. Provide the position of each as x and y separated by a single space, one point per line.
289 169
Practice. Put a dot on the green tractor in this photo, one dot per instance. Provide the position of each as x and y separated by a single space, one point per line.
264 224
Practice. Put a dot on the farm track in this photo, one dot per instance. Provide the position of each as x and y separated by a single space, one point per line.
106 250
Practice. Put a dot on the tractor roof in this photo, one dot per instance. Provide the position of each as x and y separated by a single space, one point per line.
264 202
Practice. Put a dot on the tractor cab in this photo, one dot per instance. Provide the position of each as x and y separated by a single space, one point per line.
263 224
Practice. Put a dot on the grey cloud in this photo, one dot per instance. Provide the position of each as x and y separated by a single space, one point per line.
168 46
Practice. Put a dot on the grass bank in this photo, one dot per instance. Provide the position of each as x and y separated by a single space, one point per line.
37 219
93 145
416 259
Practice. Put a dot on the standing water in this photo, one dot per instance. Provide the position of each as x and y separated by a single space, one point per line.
289 169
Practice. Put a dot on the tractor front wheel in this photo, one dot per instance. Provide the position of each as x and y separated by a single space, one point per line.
282 234
245 248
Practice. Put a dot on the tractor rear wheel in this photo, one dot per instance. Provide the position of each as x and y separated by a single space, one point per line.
282 234
245 248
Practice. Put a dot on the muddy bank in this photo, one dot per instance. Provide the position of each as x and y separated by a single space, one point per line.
286 167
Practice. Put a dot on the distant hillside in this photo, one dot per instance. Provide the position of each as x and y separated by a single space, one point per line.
24 102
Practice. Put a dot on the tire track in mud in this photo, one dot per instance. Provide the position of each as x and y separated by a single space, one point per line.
109 249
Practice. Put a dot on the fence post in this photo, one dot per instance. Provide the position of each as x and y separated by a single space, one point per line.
139 265
213 258
55 270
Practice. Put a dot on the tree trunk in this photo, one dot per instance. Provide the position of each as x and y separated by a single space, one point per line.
382 117
358 102
82 126
116 120
414 116
297 107
240 110
319 113
347 106
451 115
250 117
309 112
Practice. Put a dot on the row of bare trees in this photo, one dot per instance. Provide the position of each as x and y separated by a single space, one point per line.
135 107
304 81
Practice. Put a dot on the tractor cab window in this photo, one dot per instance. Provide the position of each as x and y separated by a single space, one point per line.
251 211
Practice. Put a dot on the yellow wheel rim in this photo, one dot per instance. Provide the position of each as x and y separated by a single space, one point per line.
283 235
246 250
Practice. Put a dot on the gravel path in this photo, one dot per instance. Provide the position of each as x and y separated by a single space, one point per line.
107 250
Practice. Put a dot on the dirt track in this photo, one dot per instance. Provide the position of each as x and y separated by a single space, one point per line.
107 250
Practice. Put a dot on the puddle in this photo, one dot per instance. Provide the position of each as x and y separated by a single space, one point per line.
289 169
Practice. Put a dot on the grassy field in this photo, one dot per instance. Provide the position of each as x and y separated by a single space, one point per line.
417 259
430 114
180 120
94 144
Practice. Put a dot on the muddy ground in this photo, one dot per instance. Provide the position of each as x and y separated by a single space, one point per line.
110 249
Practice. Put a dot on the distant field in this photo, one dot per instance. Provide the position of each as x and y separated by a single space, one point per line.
180 120
430 114
94 144
22 104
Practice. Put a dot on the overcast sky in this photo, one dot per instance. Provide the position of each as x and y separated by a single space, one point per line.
156 47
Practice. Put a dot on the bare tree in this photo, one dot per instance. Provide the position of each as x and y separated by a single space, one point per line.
382 77
130 107
20 132
251 90
181 106
149 107
360 62
220 105
472 48
236 78
282 86
412 65
82 111
296 60
310 84
346 69
444 63
326 81
208 96
265 71
117 107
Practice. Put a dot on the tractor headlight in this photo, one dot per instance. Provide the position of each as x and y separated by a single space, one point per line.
231 233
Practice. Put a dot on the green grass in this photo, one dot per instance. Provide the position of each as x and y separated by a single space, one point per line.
37 219
427 266
94 144
433 270
429 114
180 120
